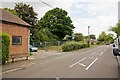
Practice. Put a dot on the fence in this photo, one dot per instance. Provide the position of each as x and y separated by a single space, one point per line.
49 46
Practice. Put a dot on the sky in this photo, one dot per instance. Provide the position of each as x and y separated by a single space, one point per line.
98 14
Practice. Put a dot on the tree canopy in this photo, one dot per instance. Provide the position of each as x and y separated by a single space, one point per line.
78 37
116 29
106 38
27 13
57 22
92 36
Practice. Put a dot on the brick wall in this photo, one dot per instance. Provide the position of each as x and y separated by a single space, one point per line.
17 30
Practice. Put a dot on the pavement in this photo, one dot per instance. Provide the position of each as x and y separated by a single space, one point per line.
97 62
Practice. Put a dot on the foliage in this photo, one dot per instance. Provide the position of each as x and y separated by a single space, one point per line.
72 45
57 22
5 41
78 37
104 38
116 29
27 13
92 36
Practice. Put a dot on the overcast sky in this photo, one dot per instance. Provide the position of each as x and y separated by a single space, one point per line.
98 14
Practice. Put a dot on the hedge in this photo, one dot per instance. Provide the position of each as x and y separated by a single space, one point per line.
5 42
72 45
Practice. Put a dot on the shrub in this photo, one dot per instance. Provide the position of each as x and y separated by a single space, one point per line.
72 45
5 42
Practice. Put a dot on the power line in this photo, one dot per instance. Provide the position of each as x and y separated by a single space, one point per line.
46 3
52 7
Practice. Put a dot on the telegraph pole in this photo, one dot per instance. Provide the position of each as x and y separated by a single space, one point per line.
88 36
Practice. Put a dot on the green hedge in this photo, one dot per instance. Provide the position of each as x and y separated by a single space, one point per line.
5 42
72 45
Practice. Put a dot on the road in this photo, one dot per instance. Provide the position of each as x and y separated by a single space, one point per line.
97 62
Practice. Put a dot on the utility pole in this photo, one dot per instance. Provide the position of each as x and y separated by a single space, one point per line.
88 36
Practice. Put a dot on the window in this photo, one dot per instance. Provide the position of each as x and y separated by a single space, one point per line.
16 40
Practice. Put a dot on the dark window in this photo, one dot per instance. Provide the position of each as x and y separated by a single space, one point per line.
16 40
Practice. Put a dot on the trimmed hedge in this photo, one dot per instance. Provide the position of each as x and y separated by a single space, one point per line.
72 45
5 42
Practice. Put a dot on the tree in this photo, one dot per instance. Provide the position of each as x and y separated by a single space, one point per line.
57 22
104 38
109 38
78 37
27 13
92 36
116 29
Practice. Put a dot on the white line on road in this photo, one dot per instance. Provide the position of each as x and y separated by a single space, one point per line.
12 70
77 62
101 53
82 64
91 64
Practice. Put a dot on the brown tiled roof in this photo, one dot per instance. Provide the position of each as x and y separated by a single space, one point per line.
9 17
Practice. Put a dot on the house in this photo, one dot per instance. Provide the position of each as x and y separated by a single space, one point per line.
19 34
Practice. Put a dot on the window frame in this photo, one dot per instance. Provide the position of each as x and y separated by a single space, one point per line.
17 43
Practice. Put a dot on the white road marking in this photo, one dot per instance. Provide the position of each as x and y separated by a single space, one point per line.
12 70
82 64
101 53
77 62
91 63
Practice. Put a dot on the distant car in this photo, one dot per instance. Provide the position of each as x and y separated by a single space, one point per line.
107 43
33 49
116 52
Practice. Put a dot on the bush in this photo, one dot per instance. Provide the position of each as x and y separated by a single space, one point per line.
5 42
72 45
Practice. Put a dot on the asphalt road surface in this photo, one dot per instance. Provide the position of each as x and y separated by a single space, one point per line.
97 62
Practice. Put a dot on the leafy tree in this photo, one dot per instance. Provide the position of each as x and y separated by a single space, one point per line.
27 13
109 38
116 29
57 22
92 36
104 38
78 37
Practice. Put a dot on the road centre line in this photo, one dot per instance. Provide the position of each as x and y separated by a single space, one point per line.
91 63
82 64
77 62
101 53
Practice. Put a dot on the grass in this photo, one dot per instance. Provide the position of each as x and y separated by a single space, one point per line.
54 48
30 53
